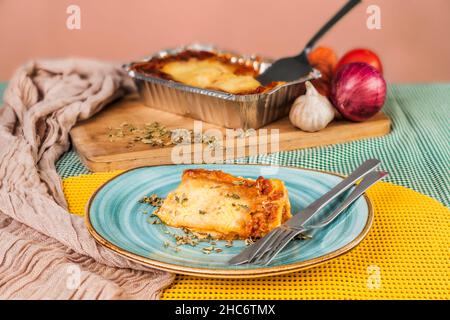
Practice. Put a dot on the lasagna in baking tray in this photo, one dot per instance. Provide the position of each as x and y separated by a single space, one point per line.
207 70
217 204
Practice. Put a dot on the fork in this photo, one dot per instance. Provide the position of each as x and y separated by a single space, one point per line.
285 237
300 219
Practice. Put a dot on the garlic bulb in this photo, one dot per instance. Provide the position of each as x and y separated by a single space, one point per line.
312 111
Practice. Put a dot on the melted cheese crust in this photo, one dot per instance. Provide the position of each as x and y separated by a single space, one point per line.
226 207
206 70
210 74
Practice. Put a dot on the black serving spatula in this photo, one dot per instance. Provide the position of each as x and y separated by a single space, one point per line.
293 68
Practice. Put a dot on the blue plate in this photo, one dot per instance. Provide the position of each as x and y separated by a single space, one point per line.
117 220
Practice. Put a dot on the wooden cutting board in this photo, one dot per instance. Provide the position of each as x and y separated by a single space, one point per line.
100 152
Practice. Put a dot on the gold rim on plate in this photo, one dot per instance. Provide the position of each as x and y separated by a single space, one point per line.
229 273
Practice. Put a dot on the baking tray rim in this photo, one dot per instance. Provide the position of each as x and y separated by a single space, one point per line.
315 74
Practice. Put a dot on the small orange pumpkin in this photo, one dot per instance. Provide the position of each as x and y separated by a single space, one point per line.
323 59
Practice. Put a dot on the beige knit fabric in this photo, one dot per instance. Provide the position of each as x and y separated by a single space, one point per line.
45 252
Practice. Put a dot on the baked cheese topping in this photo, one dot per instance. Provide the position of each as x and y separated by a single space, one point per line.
210 74
226 207
206 70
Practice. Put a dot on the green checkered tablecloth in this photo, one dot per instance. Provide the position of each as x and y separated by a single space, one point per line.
416 153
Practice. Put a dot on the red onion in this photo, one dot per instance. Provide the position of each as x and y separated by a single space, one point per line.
358 91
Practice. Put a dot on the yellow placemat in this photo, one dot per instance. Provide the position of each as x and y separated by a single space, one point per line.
406 255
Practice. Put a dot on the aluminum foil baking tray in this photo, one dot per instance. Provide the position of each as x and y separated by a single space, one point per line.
221 108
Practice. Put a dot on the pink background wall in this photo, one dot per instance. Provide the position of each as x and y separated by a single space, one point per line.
413 41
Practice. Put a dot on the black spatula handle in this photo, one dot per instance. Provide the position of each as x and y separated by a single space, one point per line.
345 9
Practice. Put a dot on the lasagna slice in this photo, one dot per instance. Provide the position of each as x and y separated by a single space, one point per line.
223 206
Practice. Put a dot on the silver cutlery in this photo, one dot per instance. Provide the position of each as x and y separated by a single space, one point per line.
281 242
265 249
